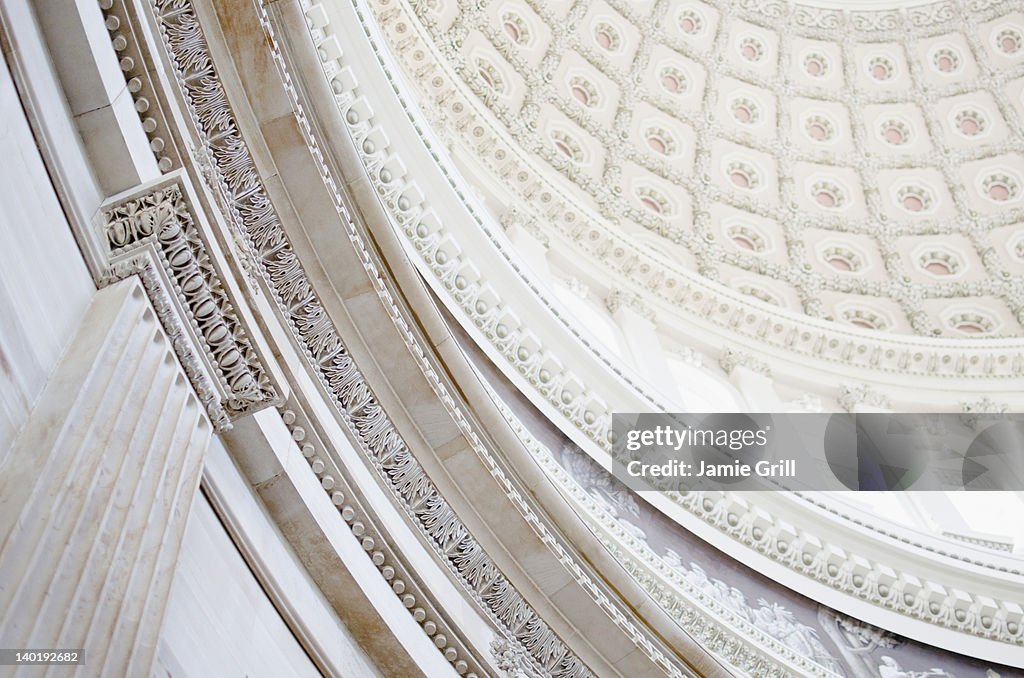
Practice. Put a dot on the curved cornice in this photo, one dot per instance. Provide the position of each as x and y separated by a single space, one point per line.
238 179
394 190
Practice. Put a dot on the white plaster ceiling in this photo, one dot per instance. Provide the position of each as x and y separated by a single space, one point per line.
863 167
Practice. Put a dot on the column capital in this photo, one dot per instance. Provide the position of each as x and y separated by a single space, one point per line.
155 232
732 358
974 412
618 299
856 397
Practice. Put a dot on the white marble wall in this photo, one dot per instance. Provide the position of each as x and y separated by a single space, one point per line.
219 620
44 285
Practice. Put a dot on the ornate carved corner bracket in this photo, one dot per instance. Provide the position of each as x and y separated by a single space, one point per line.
155 233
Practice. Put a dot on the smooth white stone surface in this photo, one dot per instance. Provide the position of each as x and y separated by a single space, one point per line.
272 560
219 621
44 285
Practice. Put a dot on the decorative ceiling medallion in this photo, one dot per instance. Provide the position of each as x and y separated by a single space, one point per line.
843 257
654 201
757 291
829 195
743 175
661 141
817 65
674 80
881 68
940 261
1008 40
865 318
895 132
516 29
691 22
566 145
1001 186
946 60
583 91
607 37
752 49
745 110
970 123
972 322
487 72
915 199
820 128
747 238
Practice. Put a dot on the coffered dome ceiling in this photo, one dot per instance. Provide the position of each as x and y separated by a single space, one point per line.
865 167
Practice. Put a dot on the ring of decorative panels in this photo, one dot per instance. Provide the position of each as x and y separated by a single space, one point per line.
833 126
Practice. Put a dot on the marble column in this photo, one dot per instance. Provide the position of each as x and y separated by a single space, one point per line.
95 491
